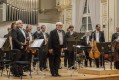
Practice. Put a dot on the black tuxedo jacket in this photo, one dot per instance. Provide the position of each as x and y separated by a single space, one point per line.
17 38
53 41
115 36
101 36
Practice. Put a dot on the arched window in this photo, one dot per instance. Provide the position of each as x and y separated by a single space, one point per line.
86 19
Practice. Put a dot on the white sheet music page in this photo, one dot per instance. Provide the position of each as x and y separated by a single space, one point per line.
2 41
37 43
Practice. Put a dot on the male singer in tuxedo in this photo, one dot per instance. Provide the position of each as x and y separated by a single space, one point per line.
71 58
19 38
56 43
98 36
44 48
86 40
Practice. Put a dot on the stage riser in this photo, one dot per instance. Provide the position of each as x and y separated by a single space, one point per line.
96 72
106 78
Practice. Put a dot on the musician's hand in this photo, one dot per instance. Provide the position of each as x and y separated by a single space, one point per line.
62 50
65 48
22 47
51 51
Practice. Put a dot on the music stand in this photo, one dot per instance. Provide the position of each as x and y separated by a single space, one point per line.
74 40
37 43
2 42
103 48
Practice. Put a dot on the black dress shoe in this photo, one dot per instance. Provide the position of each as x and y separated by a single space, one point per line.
58 75
54 75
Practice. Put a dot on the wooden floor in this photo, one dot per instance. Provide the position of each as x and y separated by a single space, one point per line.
65 75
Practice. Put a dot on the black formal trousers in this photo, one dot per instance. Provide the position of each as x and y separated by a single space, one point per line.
54 61
71 58
100 61
65 58
87 58
43 57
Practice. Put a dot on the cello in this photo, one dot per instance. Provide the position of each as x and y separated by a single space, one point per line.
94 52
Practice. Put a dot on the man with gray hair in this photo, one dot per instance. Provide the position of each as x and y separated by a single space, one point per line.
56 44
19 38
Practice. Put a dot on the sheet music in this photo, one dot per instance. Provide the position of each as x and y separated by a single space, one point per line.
2 41
37 43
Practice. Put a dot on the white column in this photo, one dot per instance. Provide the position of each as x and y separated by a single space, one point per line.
4 12
74 13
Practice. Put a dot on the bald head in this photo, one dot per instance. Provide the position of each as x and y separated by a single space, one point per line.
59 25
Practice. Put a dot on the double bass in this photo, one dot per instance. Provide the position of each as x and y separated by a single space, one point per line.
94 52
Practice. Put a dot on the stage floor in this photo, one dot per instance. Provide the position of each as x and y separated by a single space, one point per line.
65 75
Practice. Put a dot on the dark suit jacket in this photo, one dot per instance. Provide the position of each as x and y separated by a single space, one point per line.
53 41
42 36
101 36
115 36
36 35
73 35
85 40
17 38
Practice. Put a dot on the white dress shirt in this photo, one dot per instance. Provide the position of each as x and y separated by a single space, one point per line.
45 38
71 32
60 34
30 37
97 36
87 39
23 32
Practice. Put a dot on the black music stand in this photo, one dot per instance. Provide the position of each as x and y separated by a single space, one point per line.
3 58
74 40
103 48
37 43
83 48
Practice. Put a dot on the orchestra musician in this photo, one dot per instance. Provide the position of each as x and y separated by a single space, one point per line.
71 59
44 49
98 36
29 40
115 39
36 35
56 44
66 53
115 36
19 39
86 39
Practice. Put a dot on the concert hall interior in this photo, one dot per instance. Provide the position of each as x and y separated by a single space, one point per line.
59 40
